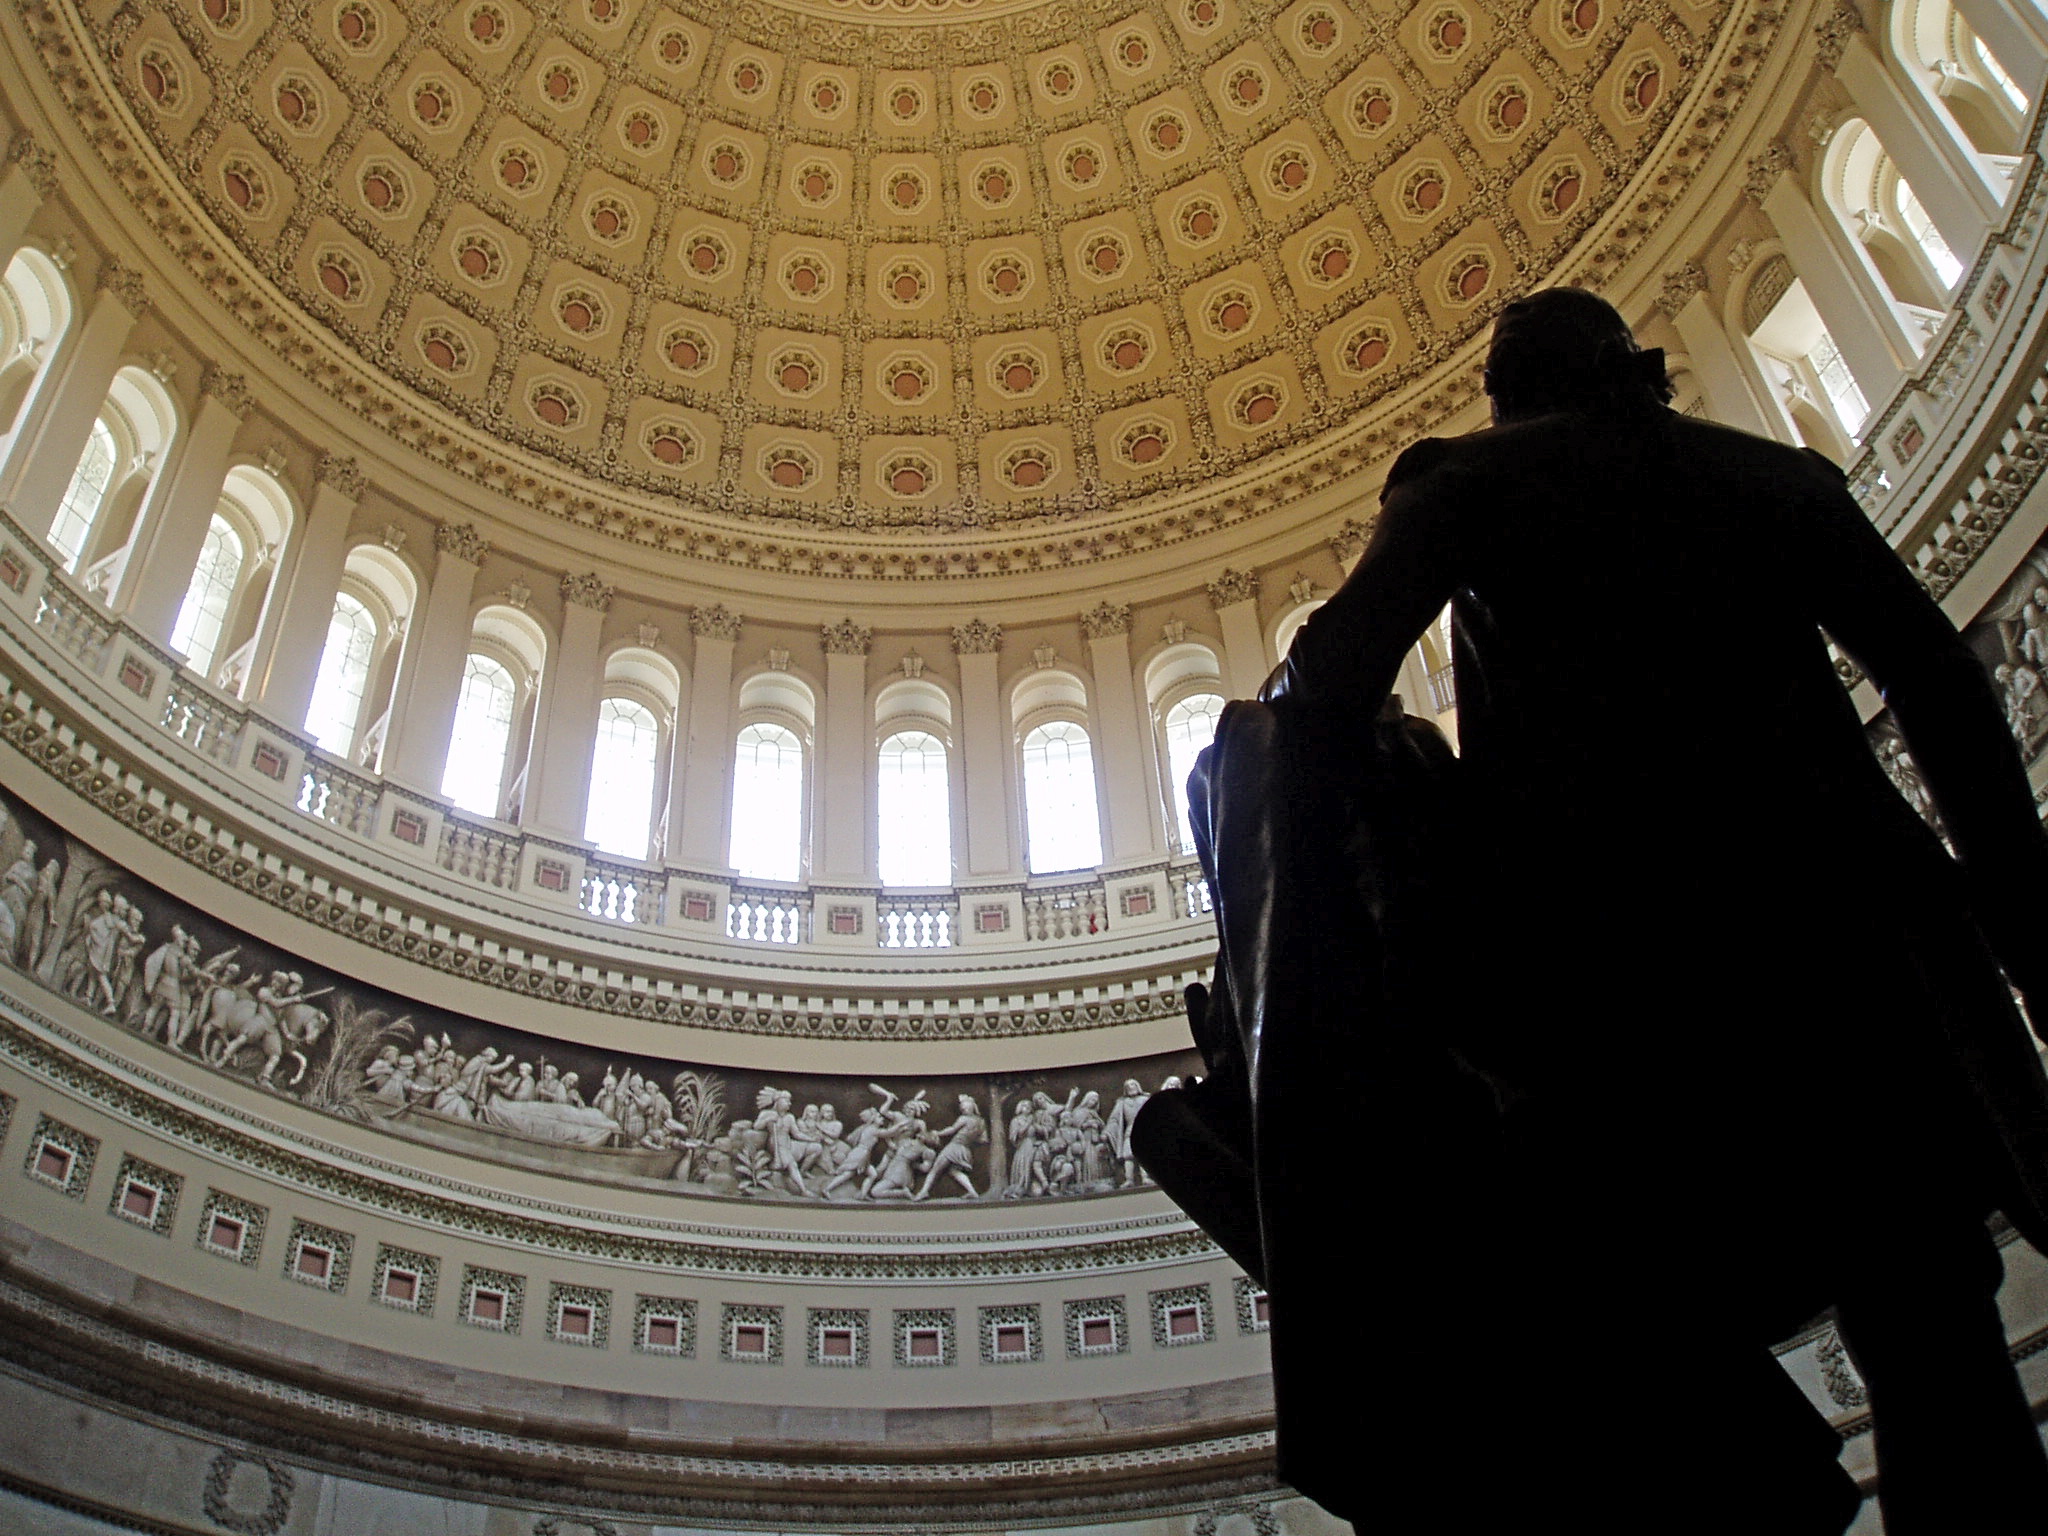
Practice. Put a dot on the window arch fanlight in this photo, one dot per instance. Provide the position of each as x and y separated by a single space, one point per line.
1290 625
914 789
622 777
770 781
474 779
91 527
1874 203
1986 105
642 690
499 678
913 810
1189 725
358 663
204 615
37 312
1062 826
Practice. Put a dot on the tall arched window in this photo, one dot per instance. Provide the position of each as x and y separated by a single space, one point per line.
1947 265
2007 86
475 776
200 620
82 497
1190 726
622 778
344 676
914 824
1061 827
768 803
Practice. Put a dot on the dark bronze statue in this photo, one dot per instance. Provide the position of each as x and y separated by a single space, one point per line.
1666 1024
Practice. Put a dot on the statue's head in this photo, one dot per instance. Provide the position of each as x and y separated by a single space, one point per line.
1567 349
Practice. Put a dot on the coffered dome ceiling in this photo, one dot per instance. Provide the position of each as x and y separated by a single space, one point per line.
915 265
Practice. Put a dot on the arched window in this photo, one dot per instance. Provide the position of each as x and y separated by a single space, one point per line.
914 827
1061 827
1190 726
214 578
1947 266
768 803
622 773
344 676
82 497
475 776
2007 86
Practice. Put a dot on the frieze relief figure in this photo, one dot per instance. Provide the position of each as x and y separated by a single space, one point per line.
185 983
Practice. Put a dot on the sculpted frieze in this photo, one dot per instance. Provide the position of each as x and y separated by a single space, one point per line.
75 924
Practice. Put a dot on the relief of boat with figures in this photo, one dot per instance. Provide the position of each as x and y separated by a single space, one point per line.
75 923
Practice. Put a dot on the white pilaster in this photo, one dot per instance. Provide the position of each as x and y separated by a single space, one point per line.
430 675
1711 355
45 451
292 633
1120 734
29 177
984 753
165 547
565 716
1844 286
1235 596
843 755
700 803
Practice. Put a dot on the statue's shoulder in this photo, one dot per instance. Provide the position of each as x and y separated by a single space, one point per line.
1419 459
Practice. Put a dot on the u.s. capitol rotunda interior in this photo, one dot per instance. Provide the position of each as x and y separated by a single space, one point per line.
604 605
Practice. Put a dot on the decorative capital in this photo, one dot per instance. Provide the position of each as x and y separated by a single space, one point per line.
34 161
912 664
1832 32
341 471
717 622
1106 619
589 590
127 285
846 638
1233 587
517 593
1349 539
1765 169
977 637
1680 287
462 541
229 388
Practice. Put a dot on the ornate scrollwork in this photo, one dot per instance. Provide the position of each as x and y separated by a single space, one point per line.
977 637
231 389
717 622
1106 619
36 162
1680 286
1766 168
588 590
463 542
847 638
126 284
344 474
1233 587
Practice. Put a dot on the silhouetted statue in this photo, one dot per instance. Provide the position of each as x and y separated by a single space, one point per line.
1684 1052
